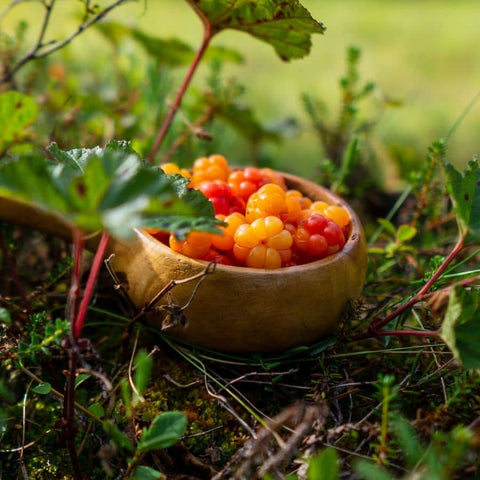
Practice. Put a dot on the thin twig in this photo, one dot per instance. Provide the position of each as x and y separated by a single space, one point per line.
377 324
118 285
262 374
180 385
24 409
100 376
130 368
210 268
43 29
27 445
207 36
225 404
192 129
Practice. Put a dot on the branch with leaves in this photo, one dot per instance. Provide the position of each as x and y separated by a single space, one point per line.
461 320
44 47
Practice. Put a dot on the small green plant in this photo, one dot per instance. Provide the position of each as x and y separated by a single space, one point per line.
398 239
165 430
386 393
439 460
44 335
346 154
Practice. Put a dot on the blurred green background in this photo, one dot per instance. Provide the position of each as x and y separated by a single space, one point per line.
423 55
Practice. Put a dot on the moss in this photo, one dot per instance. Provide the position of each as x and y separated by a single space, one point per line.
176 386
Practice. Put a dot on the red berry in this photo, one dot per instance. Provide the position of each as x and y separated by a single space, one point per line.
316 223
220 205
216 188
317 245
334 235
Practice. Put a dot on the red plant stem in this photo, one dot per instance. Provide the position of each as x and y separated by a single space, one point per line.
380 323
90 286
74 291
77 321
411 332
69 391
69 413
181 92
455 251
13 272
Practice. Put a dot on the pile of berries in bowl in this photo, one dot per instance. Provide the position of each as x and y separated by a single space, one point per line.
290 257
267 225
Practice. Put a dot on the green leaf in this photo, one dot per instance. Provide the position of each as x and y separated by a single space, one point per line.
181 225
407 440
286 26
387 225
165 430
117 437
74 159
80 378
350 160
143 369
146 473
29 179
77 158
106 189
461 326
376 250
16 112
96 409
126 396
371 471
464 192
324 466
223 54
5 316
172 51
244 121
405 233
322 345
42 388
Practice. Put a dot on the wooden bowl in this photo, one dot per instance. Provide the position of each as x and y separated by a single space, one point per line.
240 309
235 309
